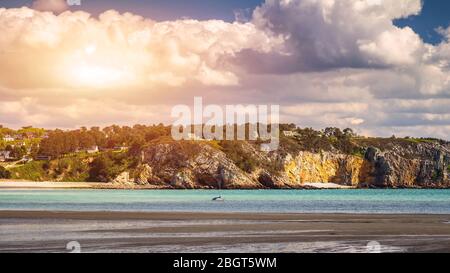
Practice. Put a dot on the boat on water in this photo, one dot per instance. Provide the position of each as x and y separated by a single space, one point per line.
218 198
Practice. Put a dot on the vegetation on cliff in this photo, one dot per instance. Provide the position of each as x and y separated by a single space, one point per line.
4 173
147 155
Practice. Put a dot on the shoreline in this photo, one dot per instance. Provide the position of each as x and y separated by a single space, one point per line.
33 185
21 184
16 184
160 215
11 184
168 232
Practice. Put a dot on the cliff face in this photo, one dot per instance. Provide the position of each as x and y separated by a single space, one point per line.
328 167
425 166
377 169
200 165
191 165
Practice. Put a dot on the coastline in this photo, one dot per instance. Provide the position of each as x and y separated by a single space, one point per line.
30 185
15 184
33 185
221 232
12 184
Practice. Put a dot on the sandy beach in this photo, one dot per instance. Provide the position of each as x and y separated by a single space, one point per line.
33 185
16 184
37 231
46 185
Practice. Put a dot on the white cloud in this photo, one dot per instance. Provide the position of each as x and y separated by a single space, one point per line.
329 34
326 62
441 54
120 49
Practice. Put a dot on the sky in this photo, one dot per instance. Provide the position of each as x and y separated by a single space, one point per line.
381 67
433 15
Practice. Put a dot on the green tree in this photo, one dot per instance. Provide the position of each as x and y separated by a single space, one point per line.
104 169
19 152
4 173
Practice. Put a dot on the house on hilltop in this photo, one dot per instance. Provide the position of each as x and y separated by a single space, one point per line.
290 133
93 150
8 138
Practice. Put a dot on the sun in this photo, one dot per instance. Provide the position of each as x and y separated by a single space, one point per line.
93 75
90 67
90 49
85 74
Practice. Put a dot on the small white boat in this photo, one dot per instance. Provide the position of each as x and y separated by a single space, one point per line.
218 198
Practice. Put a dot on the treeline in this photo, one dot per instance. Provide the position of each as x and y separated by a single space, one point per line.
328 139
25 132
26 137
18 152
59 142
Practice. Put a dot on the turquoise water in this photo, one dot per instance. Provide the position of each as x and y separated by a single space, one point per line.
281 201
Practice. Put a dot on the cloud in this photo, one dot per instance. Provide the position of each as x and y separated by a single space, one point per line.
77 50
442 51
80 112
445 32
330 34
56 6
325 62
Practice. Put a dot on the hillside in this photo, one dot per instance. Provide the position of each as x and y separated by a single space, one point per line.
329 156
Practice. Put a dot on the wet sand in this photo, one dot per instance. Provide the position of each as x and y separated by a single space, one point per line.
29 231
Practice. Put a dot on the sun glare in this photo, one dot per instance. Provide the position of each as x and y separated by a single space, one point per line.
90 67
97 75
89 50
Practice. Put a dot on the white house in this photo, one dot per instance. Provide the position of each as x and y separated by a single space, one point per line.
92 150
289 133
8 138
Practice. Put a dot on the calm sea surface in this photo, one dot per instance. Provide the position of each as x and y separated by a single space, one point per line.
281 201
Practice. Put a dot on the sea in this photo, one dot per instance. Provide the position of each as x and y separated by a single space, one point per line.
362 201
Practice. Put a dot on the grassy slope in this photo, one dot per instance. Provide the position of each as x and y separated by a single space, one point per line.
71 169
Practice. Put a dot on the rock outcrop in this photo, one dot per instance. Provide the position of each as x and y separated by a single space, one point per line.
427 166
424 165
123 179
189 165
327 167
192 165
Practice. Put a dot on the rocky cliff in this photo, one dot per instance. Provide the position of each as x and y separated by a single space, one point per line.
189 165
